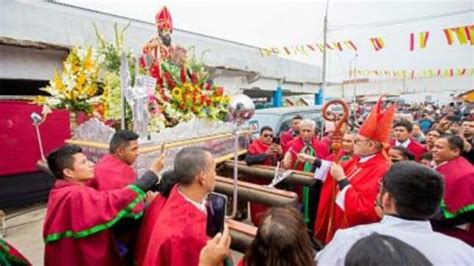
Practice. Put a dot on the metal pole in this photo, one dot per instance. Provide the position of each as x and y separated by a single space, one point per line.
323 78
236 172
40 143
355 81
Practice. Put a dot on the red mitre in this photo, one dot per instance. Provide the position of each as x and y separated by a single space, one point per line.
163 20
378 124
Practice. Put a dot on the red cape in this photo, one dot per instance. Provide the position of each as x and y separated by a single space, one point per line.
285 138
359 200
76 228
256 209
10 256
179 233
258 147
112 173
146 229
459 186
414 148
297 144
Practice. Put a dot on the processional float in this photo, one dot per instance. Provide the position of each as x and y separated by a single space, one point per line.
225 140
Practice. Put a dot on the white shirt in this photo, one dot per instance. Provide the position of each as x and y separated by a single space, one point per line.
438 248
201 206
403 144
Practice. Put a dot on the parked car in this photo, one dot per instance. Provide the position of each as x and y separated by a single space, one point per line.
279 118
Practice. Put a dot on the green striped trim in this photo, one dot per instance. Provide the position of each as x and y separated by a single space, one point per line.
450 215
7 259
126 212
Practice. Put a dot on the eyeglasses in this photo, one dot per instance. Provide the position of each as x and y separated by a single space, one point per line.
267 135
361 140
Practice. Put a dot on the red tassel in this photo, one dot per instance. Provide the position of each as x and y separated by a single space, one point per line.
169 81
183 74
194 78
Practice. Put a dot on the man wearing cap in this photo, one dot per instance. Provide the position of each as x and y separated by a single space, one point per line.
349 191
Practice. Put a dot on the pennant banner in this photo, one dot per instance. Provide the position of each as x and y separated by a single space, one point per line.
414 74
377 43
422 40
460 35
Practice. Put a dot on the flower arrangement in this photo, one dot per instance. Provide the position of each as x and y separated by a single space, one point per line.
77 87
90 82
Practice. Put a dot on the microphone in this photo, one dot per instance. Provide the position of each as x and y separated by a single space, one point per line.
37 119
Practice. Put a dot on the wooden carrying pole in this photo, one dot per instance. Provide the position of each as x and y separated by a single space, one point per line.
268 172
257 193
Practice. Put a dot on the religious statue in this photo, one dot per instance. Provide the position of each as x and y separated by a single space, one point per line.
160 48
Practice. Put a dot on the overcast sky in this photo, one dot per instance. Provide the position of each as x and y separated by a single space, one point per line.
271 23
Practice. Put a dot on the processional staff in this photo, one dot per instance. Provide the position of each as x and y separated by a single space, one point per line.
330 116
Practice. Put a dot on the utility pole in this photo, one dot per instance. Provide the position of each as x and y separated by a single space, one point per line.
325 32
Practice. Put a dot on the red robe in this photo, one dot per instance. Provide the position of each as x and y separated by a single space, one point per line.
179 233
285 138
256 209
297 145
10 256
149 220
414 148
76 229
112 173
359 199
458 195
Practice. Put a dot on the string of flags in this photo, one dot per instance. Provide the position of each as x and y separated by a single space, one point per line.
463 35
412 74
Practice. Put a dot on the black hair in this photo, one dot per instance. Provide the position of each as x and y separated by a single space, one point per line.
297 117
265 128
189 162
404 123
385 250
405 153
167 181
417 190
121 139
435 129
62 158
427 156
281 239
454 141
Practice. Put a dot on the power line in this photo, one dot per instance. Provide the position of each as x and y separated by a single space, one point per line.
398 21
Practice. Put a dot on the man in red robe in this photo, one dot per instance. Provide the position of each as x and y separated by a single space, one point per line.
10 256
349 191
78 220
306 143
167 182
291 133
403 138
179 229
115 170
262 151
457 207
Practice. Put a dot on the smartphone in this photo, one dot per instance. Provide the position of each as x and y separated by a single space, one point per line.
276 140
216 211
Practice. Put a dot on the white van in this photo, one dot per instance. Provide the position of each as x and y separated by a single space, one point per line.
279 118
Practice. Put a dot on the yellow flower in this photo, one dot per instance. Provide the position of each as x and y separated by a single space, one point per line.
226 100
188 87
177 93
58 83
40 100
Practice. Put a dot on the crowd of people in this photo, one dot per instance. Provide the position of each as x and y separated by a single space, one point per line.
398 192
